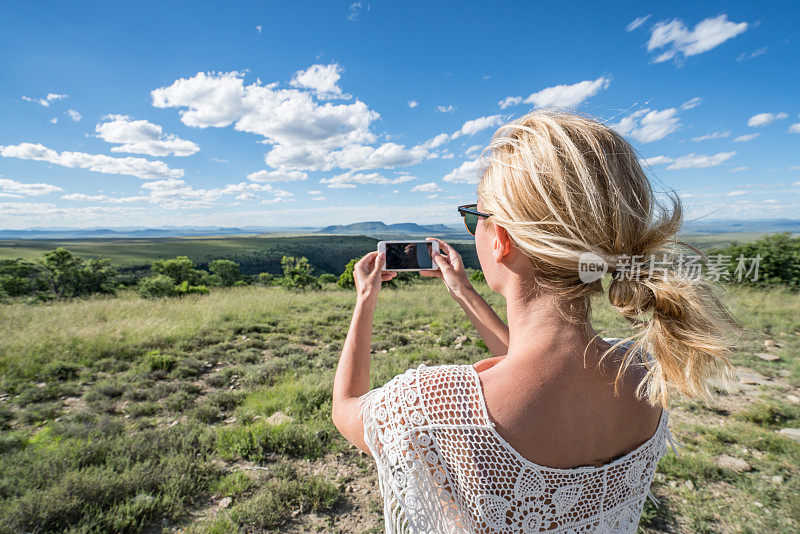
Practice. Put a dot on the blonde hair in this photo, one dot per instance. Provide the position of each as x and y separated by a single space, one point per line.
562 185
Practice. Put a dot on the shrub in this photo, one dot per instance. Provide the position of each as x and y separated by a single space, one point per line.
185 289
327 278
265 279
226 270
477 276
179 269
297 273
155 361
159 285
346 280
779 263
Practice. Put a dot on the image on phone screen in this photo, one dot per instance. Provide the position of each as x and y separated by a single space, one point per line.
408 256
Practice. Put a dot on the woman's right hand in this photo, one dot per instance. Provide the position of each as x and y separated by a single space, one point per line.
451 269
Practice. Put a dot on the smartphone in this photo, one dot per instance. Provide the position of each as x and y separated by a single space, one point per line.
409 255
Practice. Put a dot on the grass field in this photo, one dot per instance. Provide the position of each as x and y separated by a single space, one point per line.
211 414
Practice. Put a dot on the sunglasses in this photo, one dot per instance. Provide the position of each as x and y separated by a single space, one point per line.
471 215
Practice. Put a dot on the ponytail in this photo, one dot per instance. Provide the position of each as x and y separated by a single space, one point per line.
687 334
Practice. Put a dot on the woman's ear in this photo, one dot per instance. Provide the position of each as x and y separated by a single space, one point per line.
501 243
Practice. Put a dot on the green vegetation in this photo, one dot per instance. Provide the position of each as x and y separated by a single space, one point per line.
124 414
779 263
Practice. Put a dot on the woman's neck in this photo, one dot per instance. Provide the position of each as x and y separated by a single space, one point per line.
541 336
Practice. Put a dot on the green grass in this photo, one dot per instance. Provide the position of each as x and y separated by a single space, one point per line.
118 413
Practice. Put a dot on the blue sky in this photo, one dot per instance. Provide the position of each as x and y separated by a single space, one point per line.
313 113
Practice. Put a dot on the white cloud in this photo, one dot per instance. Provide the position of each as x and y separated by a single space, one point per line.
738 169
445 109
139 167
74 115
265 176
794 128
355 10
219 160
46 100
467 173
305 135
476 125
745 56
676 39
322 79
142 137
348 180
315 192
745 138
561 96
54 120
470 127
762 119
638 21
430 187
13 188
691 103
713 135
646 125
83 197
691 161
413 103
736 193
258 28
471 150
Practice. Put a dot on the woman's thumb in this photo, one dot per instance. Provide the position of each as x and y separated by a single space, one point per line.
378 265
440 261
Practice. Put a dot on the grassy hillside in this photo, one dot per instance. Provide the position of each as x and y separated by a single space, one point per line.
124 414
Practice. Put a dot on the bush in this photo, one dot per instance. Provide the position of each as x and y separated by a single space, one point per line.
477 276
185 289
779 263
155 361
180 269
327 278
346 279
159 285
226 270
297 274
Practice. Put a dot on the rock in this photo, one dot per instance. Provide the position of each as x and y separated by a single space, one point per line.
279 418
756 503
793 398
791 433
173 423
777 479
749 377
230 420
41 385
767 357
769 344
295 513
224 503
689 485
730 462
384 351
784 372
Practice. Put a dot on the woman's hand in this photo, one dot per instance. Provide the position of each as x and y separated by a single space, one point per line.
451 269
368 275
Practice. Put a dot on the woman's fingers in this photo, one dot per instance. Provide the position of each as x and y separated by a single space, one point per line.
433 274
387 275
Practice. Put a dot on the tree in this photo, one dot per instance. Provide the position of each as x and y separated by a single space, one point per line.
158 285
227 271
180 269
18 277
346 280
60 272
297 273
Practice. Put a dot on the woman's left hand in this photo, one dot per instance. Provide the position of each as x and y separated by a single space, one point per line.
368 275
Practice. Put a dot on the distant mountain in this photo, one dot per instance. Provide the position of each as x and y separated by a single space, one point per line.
716 226
133 232
381 229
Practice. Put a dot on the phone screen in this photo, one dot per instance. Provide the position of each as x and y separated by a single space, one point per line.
408 256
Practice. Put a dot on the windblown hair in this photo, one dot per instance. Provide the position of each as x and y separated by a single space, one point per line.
561 185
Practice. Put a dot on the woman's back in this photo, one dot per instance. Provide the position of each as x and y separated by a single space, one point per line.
444 466
567 415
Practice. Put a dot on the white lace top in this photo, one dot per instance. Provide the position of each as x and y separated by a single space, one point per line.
443 468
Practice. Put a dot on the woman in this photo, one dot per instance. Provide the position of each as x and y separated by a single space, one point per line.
561 430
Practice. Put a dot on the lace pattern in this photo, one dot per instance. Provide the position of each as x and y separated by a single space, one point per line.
443 468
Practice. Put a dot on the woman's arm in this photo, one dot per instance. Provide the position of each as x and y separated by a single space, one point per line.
352 373
491 328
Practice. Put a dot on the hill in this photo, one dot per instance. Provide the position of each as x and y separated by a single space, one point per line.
398 230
